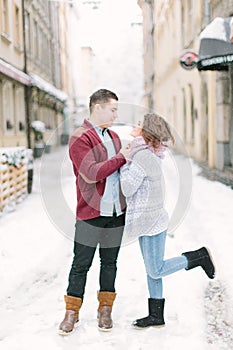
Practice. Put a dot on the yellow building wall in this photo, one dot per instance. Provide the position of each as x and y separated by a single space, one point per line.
174 86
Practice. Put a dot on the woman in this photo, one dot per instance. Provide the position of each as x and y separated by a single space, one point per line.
146 218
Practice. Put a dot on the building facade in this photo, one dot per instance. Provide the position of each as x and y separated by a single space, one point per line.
147 7
44 63
198 104
34 70
12 78
179 94
224 98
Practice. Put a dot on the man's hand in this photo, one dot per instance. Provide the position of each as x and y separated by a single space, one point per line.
125 151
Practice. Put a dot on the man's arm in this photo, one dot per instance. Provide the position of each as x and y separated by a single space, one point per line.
83 157
86 179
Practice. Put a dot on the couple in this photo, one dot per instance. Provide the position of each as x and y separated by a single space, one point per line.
100 165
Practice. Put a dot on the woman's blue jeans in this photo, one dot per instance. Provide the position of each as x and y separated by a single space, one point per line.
152 248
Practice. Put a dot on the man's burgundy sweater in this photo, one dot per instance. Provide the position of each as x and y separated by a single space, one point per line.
89 157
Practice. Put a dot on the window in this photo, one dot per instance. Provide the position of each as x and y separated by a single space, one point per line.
28 32
40 43
8 106
183 24
190 19
184 117
17 27
19 109
192 113
205 107
203 19
5 16
35 35
48 53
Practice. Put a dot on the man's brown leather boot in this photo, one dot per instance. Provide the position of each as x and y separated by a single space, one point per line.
106 300
71 318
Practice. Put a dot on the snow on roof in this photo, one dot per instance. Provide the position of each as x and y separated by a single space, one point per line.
32 79
9 70
47 87
215 30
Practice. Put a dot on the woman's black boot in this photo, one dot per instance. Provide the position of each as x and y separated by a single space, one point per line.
201 257
155 318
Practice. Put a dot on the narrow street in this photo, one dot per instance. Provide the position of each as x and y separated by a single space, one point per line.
172 58
36 253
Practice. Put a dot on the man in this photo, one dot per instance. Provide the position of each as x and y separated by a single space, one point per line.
96 154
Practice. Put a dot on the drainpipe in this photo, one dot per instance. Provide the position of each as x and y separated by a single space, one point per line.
27 89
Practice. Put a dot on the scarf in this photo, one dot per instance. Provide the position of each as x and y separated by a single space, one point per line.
139 143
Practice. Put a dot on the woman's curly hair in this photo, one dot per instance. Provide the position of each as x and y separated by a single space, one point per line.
155 130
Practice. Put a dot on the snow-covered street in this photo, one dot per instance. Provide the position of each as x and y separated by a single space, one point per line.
35 260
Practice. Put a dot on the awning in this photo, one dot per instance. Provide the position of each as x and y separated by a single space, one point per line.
37 81
14 73
216 48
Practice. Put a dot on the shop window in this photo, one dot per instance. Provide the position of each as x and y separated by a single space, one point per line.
8 105
9 125
21 126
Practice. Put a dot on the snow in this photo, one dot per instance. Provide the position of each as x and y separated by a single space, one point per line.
35 80
215 30
36 254
16 156
38 125
13 72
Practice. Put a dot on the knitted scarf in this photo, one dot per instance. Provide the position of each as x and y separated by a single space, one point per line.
139 143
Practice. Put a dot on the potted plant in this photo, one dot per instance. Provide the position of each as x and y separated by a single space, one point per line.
38 127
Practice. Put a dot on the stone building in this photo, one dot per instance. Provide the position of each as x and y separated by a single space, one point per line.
12 78
45 62
34 70
224 98
147 7
197 103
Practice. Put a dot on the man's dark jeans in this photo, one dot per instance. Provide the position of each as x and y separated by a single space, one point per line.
105 231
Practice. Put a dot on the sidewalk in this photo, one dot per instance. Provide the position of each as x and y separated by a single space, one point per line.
225 176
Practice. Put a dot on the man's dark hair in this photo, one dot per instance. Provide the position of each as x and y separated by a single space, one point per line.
101 96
